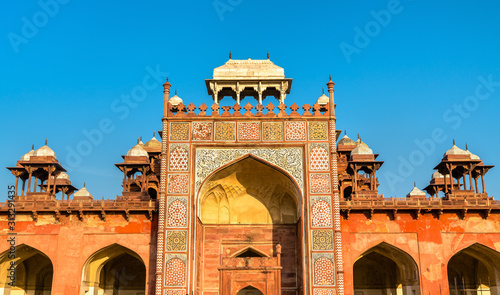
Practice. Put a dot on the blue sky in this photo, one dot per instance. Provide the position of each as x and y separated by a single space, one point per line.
404 70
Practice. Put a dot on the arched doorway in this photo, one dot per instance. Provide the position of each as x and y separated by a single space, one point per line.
114 270
385 269
152 193
474 270
249 291
34 272
248 217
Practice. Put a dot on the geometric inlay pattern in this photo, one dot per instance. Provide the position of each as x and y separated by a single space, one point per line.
272 131
182 292
175 272
178 183
177 212
320 183
225 131
318 131
295 130
249 131
179 131
176 240
321 214
202 131
319 157
178 157
322 239
210 159
323 291
324 270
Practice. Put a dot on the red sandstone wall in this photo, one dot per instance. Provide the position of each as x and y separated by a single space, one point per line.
431 242
225 240
70 242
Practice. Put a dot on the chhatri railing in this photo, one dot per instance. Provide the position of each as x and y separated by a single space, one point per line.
269 111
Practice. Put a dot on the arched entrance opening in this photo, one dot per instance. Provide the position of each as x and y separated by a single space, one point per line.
250 225
152 193
385 269
474 270
249 291
114 270
33 272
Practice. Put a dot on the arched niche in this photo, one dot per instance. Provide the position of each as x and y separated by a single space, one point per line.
249 191
474 270
385 269
34 272
114 270
249 290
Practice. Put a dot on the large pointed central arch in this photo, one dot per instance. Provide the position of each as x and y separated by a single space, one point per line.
267 193
247 211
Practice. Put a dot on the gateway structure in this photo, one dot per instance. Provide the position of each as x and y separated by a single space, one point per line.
250 199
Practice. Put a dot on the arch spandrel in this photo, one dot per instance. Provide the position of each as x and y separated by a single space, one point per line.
209 160
249 192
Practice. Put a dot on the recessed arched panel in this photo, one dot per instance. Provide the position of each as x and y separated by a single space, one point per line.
249 192
34 272
114 270
249 291
474 270
385 269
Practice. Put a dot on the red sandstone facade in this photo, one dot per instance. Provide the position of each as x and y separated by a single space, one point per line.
251 199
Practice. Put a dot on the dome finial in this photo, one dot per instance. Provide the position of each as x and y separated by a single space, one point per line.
167 78
137 140
229 54
84 184
141 138
330 77
33 146
415 184
453 141
323 89
359 137
175 91
154 133
268 55
466 147
345 132
45 141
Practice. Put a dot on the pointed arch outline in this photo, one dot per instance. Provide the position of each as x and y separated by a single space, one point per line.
404 270
469 245
485 260
300 197
5 260
103 260
249 248
251 285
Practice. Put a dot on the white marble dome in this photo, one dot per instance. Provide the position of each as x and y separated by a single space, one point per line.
346 141
436 174
175 100
323 99
137 151
455 150
27 156
361 149
45 151
153 142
